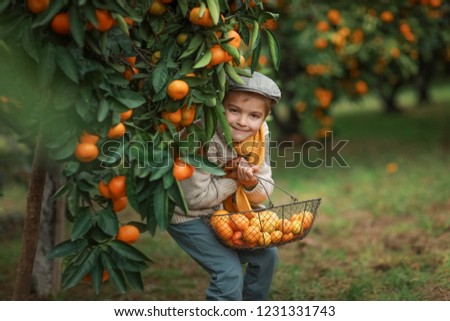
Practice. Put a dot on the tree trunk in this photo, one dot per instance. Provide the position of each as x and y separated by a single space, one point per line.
426 71
46 272
31 225
390 104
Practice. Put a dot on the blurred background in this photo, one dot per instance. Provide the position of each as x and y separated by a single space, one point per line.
368 80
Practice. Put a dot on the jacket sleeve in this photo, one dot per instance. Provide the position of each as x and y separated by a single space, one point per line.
204 190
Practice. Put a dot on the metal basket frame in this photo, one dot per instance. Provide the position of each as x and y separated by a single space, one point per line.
284 211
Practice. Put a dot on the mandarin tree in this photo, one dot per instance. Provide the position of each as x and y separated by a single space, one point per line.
109 68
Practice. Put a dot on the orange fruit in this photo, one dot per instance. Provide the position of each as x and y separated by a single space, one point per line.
285 226
104 190
287 237
129 72
126 114
174 117
88 138
131 60
129 21
181 38
307 221
182 170
276 236
386 16
177 89
219 215
252 234
86 152
265 239
239 222
218 55
236 41
320 43
157 8
361 87
205 20
236 239
223 230
37 6
117 186
61 24
187 115
395 53
296 227
334 16
119 203
322 26
155 57
391 168
116 131
105 20
128 234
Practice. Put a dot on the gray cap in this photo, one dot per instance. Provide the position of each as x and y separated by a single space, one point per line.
259 84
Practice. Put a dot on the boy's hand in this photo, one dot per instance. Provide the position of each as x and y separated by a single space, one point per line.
245 174
231 167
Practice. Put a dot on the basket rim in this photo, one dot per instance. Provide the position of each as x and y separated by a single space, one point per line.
262 209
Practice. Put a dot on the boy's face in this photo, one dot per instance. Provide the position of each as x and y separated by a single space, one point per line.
245 113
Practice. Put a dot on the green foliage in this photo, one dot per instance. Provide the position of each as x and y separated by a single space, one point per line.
82 82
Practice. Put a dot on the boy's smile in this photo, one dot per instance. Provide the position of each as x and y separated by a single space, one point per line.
245 113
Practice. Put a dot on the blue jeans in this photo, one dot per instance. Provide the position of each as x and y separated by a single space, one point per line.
228 279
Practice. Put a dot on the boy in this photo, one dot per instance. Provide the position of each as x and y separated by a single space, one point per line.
246 108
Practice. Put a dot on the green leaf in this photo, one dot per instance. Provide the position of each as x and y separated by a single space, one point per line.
183 6
255 57
63 190
231 72
67 248
70 168
103 110
220 113
67 63
135 280
131 191
114 273
107 221
160 207
83 269
176 195
274 49
194 44
204 60
128 251
254 41
47 65
83 223
77 25
130 99
210 122
232 51
214 10
30 43
159 77
64 151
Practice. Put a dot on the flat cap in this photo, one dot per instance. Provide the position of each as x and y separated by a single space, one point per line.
259 84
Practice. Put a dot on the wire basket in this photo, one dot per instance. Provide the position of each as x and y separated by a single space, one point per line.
265 227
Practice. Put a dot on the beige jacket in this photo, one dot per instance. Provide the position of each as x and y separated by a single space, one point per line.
204 192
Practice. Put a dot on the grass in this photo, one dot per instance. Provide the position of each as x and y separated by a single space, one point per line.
379 235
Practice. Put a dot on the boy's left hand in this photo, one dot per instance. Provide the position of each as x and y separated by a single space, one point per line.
245 174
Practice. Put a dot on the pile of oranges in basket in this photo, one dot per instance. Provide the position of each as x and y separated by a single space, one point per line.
259 229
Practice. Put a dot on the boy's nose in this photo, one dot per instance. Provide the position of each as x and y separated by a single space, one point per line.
241 120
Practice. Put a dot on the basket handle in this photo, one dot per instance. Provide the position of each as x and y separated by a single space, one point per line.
294 199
